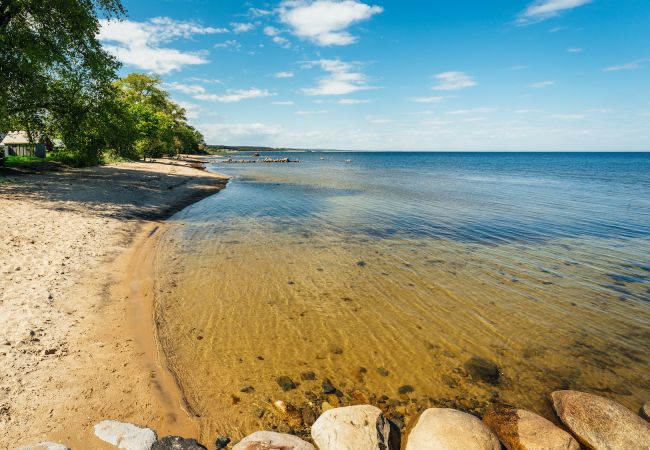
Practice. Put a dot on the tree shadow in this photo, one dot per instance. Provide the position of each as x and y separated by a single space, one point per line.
128 192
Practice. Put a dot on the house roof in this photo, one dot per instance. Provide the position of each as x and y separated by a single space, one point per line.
15 138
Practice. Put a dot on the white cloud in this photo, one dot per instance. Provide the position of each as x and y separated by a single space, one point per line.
242 27
271 31
541 84
282 41
525 111
233 96
190 89
629 66
436 99
451 81
541 10
325 22
574 50
352 101
191 109
139 43
342 79
205 80
284 75
258 12
283 103
230 44
309 113
599 110
462 112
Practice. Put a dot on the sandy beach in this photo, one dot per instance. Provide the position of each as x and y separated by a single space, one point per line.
77 343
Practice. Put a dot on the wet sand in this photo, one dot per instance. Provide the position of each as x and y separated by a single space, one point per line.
78 343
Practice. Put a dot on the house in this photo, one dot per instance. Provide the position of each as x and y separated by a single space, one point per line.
17 143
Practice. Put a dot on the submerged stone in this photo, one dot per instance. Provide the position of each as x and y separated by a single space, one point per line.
382 371
601 423
482 369
177 443
285 383
328 387
406 389
308 376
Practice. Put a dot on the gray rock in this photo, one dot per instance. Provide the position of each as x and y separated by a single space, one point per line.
645 411
125 435
361 427
177 443
482 369
45 446
601 423
285 383
522 430
449 429
269 440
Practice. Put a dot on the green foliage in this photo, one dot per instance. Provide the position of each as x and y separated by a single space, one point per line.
57 81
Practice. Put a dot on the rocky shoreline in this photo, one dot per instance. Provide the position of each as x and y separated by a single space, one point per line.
589 420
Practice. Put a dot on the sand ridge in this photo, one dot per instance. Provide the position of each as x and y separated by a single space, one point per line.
76 342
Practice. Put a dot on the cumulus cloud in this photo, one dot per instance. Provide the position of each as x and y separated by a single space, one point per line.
342 78
541 84
242 27
140 44
284 75
233 96
452 81
283 103
325 22
541 10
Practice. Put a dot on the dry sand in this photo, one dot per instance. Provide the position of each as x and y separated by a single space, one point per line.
76 334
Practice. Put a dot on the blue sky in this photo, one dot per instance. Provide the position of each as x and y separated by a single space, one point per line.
400 75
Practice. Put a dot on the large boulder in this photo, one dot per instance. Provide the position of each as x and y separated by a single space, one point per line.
361 427
600 423
269 440
449 429
125 435
518 429
44 445
177 443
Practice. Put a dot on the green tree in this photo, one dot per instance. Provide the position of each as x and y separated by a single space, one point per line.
52 66
161 124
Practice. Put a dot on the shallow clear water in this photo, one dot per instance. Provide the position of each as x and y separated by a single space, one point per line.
411 263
